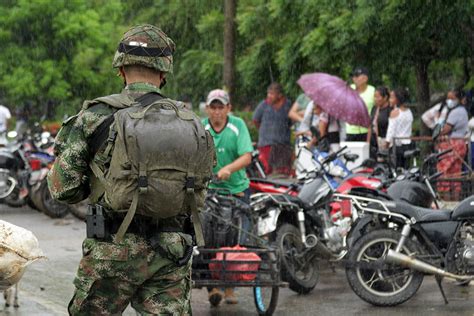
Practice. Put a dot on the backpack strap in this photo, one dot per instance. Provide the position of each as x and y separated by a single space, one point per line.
191 195
118 101
191 199
142 188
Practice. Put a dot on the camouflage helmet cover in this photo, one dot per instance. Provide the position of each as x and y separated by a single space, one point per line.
145 45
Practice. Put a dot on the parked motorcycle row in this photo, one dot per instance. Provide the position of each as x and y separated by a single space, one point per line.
24 165
385 227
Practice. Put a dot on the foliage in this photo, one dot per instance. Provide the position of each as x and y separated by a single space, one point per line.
59 53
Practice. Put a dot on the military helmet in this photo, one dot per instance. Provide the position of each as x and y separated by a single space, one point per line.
145 45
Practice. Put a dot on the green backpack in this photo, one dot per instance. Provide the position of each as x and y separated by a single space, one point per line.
157 161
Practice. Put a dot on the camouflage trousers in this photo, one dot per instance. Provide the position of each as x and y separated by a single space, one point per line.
111 275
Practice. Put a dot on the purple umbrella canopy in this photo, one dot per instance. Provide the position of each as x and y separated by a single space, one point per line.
335 97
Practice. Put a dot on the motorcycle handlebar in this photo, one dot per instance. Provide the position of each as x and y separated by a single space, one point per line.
435 176
333 155
436 156
444 152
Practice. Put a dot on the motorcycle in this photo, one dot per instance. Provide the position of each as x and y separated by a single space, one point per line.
27 161
14 169
306 161
394 245
301 226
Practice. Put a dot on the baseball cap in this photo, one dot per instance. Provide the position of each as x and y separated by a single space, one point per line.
360 71
219 95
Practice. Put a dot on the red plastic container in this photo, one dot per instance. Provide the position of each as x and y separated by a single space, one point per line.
247 261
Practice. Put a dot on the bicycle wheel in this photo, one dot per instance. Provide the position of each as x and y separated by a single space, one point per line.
266 299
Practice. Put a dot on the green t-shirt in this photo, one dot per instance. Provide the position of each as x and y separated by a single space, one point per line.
231 143
368 97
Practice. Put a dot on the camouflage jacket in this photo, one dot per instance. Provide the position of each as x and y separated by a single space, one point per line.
69 178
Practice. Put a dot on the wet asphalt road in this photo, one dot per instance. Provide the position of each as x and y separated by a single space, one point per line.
47 285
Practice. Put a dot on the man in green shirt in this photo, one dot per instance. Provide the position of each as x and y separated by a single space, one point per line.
233 150
360 77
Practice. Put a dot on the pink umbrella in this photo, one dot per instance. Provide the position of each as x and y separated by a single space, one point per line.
335 97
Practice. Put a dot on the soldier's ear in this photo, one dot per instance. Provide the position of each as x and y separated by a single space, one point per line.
121 73
162 79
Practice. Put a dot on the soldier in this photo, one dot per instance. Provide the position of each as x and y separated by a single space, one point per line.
135 258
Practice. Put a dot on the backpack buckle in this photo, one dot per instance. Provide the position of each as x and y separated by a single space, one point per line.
142 184
190 184
112 137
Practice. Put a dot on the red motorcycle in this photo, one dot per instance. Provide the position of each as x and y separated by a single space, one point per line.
304 164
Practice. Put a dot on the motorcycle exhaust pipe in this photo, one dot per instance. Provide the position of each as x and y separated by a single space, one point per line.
313 242
406 261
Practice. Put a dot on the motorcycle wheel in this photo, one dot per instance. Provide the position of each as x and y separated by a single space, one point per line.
31 204
34 197
52 207
385 284
302 276
13 199
80 209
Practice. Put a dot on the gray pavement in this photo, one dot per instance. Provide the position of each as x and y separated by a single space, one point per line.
47 286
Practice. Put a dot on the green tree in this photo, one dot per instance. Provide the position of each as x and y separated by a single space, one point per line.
57 54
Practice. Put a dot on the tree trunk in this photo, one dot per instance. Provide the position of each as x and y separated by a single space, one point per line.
229 45
422 91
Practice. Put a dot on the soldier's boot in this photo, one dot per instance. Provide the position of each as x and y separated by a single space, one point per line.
229 295
215 296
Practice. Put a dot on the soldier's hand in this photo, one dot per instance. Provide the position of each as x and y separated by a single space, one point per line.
224 174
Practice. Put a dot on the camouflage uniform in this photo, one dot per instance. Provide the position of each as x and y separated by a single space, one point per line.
113 274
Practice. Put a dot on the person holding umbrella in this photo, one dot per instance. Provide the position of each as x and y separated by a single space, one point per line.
327 126
360 77
336 98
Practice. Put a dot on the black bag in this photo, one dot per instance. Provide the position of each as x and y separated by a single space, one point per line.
217 217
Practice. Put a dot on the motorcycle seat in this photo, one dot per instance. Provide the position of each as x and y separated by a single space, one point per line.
293 199
420 214
408 154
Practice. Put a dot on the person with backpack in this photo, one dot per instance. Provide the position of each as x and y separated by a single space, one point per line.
144 162
234 152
